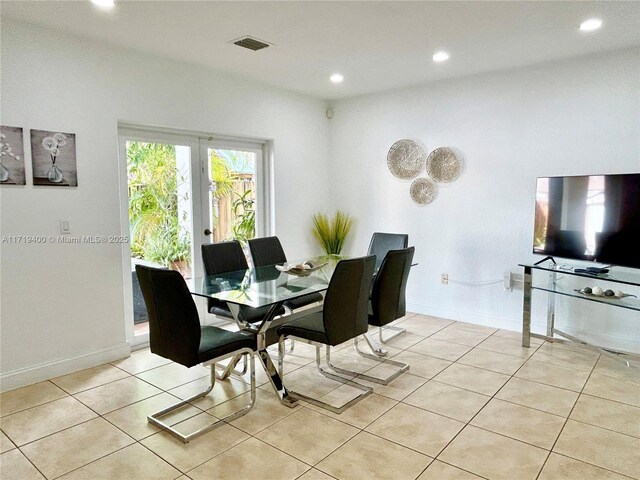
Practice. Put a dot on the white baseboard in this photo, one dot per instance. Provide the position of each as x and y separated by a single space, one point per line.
45 371
621 344
476 318
601 339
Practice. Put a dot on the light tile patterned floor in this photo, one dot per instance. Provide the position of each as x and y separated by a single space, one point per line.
474 404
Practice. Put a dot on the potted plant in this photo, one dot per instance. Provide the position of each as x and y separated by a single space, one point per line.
332 233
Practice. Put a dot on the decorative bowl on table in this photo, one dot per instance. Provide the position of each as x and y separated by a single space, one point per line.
300 269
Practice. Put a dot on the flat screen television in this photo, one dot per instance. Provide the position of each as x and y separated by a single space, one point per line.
591 217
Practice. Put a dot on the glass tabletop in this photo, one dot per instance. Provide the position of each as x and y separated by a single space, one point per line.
262 286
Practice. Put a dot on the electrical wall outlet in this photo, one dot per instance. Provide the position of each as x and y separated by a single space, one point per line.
444 278
508 281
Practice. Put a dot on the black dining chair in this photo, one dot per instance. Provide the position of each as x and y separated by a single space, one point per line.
224 258
388 302
343 317
268 251
227 257
175 333
380 244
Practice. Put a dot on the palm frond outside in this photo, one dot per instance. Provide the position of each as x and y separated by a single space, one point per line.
156 232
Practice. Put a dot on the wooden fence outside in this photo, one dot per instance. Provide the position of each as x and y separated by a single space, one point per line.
223 208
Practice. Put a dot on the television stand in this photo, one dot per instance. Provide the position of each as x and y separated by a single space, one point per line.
552 289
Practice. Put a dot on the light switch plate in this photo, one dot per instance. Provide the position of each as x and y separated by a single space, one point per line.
65 227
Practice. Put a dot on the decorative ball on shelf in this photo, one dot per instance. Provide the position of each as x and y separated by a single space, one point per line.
608 293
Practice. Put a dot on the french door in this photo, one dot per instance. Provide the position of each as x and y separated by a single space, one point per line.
181 190
236 187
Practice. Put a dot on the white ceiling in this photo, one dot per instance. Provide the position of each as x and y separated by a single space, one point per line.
375 45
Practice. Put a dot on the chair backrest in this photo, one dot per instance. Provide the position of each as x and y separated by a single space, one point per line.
381 243
174 325
223 257
389 287
345 304
266 251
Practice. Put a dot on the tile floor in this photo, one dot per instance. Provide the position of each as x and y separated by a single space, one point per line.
474 404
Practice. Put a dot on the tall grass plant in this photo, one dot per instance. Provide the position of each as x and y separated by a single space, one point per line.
332 233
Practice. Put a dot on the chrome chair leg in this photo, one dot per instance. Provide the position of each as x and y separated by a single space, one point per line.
281 353
292 345
402 367
285 351
375 348
291 341
154 418
352 374
318 403
397 331
231 368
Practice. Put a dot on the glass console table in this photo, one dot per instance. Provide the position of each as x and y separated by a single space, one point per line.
614 280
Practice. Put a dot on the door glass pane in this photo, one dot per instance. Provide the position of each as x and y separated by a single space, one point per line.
232 195
160 213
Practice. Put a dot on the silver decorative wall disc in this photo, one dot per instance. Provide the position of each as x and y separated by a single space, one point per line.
444 165
423 191
406 159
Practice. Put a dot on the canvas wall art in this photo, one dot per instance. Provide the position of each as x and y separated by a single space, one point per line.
53 155
11 156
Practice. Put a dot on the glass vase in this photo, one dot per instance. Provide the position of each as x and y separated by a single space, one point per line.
4 173
55 174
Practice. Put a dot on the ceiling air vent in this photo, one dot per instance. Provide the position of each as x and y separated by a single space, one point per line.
250 43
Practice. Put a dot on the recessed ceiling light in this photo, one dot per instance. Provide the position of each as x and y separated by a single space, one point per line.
591 24
106 4
440 56
336 78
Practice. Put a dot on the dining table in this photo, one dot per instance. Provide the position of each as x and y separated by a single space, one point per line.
268 287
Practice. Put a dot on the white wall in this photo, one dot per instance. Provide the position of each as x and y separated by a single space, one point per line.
574 117
62 305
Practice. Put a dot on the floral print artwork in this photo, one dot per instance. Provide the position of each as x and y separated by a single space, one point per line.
11 156
54 158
